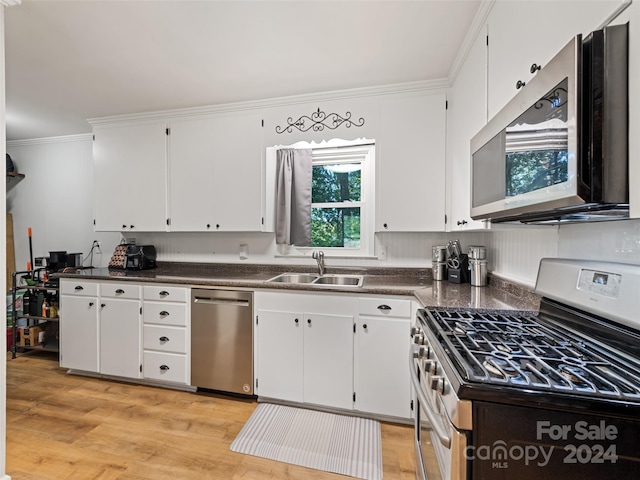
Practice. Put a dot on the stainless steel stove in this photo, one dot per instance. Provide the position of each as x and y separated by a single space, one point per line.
528 395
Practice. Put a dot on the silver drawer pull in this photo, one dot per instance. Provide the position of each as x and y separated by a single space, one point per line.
164 367
384 307
164 293
78 288
164 313
164 339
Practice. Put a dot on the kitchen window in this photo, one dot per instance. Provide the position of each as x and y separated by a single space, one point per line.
342 197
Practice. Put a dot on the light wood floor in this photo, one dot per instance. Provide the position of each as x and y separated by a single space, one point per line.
62 426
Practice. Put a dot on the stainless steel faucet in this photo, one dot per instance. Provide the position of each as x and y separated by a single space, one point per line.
319 257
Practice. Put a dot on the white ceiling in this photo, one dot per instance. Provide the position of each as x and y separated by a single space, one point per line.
67 61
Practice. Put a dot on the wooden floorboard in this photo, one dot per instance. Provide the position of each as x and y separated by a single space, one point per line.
62 426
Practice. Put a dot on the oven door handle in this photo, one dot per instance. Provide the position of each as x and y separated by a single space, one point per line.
438 427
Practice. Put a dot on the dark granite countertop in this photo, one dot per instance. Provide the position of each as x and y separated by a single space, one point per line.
415 282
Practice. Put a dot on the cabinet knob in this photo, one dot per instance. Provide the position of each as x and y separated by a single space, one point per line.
164 339
124 226
119 291
535 67
164 313
519 84
385 225
78 288
130 226
461 222
309 321
364 325
91 304
217 225
164 293
296 320
208 225
164 367
384 307
102 305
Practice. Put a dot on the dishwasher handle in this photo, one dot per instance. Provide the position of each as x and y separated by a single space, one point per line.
222 301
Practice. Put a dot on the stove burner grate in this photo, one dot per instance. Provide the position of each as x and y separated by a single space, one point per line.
521 351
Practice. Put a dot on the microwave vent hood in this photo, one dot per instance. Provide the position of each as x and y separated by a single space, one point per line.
558 151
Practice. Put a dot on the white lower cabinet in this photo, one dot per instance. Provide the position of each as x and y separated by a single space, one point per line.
120 330
79 345
303 356
381 357
353 355
166 338
102 330
280 355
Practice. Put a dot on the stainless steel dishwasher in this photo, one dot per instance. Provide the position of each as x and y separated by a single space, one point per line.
222 340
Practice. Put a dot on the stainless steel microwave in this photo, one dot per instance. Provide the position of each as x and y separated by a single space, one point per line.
558 151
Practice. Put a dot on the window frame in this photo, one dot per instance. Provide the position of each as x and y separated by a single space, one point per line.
339 151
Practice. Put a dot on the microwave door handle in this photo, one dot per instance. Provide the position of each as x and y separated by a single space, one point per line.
438 427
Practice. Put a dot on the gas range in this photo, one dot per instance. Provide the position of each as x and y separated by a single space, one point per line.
514 379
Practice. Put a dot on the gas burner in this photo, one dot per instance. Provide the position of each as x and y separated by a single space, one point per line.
502 348
463 329
500 367
573 373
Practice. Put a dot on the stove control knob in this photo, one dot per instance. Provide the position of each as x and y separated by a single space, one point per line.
418 340
437 384
422 351
433 367
416 331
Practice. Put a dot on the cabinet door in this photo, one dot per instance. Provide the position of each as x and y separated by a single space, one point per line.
280 367
467 114
79 333
215 174
411 164
120 337
130 177
328 360
382 372
523 33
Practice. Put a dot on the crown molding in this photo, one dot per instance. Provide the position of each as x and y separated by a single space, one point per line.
10 3
48 140
399 88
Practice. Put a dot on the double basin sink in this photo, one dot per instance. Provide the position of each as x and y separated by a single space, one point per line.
312 279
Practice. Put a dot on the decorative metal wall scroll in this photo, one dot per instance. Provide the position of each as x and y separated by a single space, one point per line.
318 121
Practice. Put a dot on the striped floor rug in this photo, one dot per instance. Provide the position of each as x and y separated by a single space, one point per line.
324 441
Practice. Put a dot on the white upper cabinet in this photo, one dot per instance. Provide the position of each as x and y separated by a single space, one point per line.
467 114
215 174
524 33
411 163
130 177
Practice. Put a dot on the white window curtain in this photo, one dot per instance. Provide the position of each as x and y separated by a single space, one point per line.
293 197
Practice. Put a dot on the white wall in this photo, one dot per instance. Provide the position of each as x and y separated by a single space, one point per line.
55 199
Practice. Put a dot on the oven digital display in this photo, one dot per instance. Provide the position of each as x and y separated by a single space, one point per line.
600 278
600 283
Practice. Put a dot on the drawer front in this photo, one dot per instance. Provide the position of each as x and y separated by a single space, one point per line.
387 307
120 290
165 339
165 313
75 287
166 367
167 294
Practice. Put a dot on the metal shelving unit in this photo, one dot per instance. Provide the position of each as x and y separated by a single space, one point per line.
50 325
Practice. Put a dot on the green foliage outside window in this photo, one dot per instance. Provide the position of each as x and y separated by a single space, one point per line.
337 226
